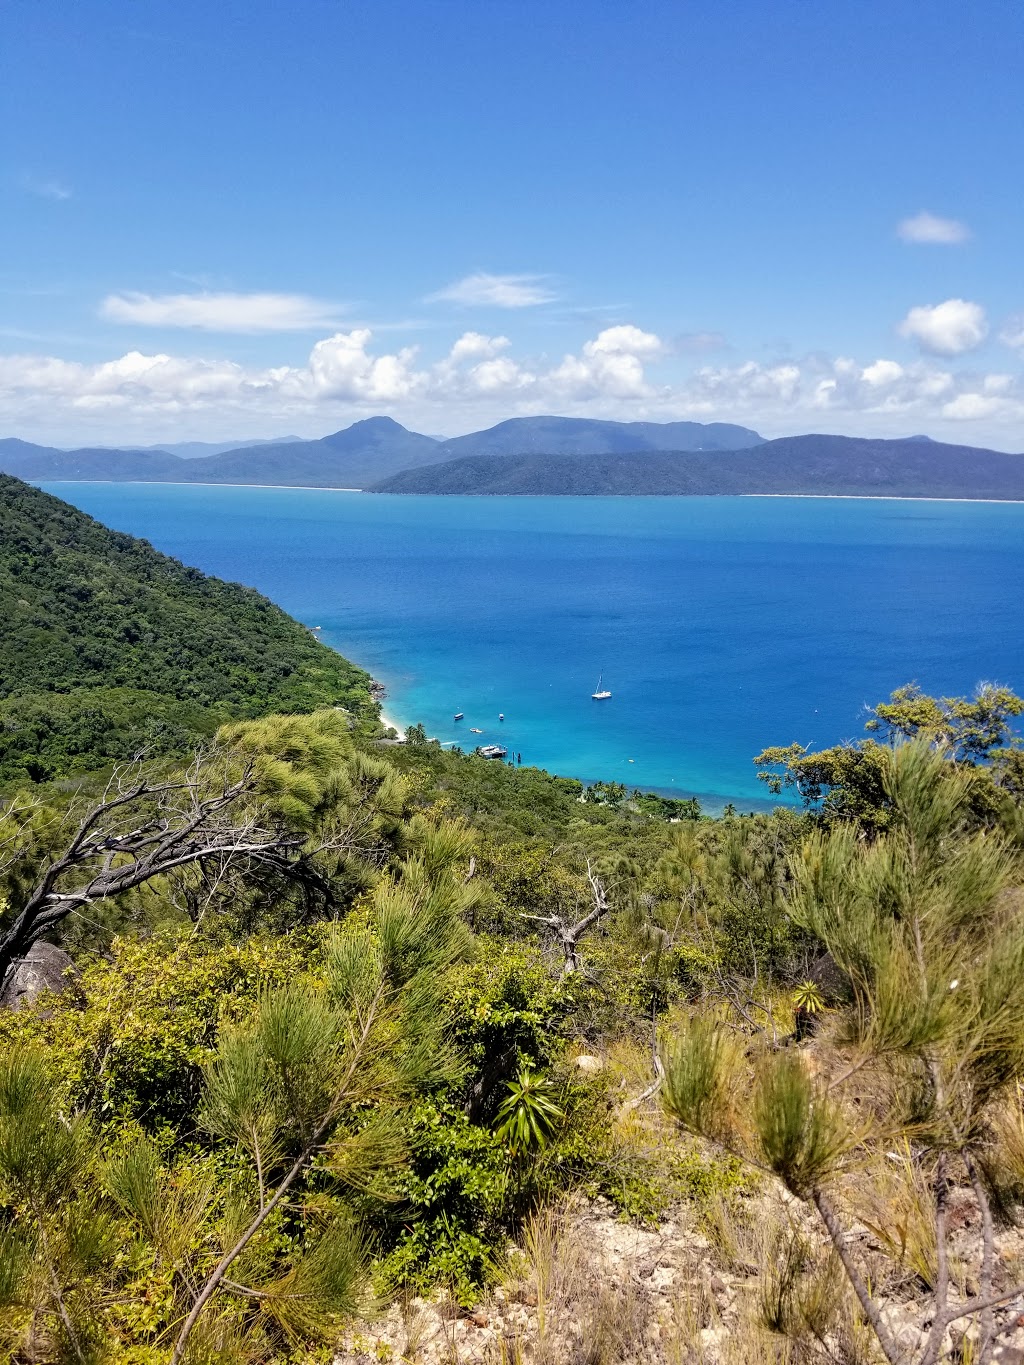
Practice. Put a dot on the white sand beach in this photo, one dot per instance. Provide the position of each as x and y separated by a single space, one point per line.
390 722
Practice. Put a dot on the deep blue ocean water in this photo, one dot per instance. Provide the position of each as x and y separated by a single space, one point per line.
721 625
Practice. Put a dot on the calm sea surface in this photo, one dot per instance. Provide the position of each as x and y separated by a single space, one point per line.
721 625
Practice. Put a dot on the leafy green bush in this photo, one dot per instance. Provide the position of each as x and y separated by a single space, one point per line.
455 1204
505 1007
129 1041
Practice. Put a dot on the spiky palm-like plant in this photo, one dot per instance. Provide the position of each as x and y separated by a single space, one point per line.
808 997
529 1114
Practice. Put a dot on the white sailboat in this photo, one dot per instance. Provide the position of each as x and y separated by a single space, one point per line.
602 693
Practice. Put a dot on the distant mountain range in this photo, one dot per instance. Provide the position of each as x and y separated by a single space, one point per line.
582 436
196 450
28 461
831 465
362 454
557 455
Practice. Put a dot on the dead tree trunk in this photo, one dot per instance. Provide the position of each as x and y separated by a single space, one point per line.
139 830
569 935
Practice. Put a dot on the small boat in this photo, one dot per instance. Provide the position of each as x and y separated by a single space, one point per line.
501 715
474 731
602 693
458 715
491 751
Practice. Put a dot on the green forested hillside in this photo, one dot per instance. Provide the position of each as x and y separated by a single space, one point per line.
822 466
108 646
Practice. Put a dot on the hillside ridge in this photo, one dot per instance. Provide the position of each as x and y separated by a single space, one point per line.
362 454
110 647
814 465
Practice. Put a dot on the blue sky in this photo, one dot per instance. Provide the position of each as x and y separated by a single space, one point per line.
230 220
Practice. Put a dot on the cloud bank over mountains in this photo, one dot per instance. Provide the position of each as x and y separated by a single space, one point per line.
619 372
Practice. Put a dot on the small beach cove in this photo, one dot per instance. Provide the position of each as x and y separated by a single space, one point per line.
720 625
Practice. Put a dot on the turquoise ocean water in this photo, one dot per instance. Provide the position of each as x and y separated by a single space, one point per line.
721 625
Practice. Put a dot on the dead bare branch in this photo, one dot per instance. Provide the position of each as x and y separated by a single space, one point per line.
140 829
569 935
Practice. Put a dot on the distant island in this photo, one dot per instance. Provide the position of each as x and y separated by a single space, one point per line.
564 456
830 466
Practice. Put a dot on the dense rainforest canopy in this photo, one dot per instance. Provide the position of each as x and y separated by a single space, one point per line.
109 647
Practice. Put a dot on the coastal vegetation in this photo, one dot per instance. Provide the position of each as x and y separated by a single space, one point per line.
109 648
349 1032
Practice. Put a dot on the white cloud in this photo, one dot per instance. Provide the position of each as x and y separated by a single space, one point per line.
748 385
496 291
882 372
969 407
146 397
884 397
624 340
499 376
473 345
930 229
1012 333
948 328
48 189
611 365
341 368
212 312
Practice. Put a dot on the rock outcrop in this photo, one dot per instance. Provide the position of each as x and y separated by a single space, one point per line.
45 968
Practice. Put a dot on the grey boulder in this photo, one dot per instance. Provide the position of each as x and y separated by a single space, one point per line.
45 967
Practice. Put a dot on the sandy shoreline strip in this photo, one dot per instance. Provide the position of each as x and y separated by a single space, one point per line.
321 488
390 722
869 497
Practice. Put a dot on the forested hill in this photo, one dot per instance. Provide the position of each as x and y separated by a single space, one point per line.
588 436
107 646
25 460
822 465
364 453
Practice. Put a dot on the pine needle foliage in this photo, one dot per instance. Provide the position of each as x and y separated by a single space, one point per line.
57 1233
801 1135
249 1244
701 1067
926 931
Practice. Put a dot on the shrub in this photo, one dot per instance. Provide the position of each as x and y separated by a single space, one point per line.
453 1205
130 1043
